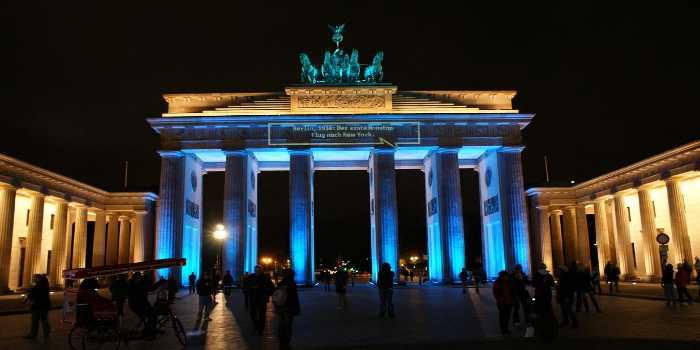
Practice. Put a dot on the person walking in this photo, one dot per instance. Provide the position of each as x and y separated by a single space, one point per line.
341 288
463 277
205 290
119 289
682 284
521 297
612 276
477 273
193 280
38 296
667 284
386 290
595 280
326 280
565 297
584 289
286 302
503 293
260 289
228 283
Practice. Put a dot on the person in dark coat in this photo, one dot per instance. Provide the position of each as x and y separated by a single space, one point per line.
682 279
667 284
385 284
119 289
612 276
545 322
228 283
260 289
565 297
288 310
519 282
503 293
139 287
192 278
463 277
205 291
584 288
341 287
38 296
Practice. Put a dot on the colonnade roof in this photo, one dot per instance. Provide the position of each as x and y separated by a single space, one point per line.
29 177
678 162
273 103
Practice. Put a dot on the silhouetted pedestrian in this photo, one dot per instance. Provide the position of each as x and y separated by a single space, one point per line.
192 280
612 276
38 296
521 297
205 290
595 280
260 288
341 287
228 283
681 281
385 284
119 289
584 289
545 322
463 277
565 297
287 308
503 293
667 284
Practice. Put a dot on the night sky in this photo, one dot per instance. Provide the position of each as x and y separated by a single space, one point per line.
610 84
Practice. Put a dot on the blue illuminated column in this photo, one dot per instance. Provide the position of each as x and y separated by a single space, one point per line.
240 251
179 215
446 250
383 212
301 215
514 210
171 209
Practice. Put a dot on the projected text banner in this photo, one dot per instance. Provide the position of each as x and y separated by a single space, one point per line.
344 133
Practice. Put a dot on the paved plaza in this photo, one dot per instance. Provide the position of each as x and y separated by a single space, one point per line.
441 317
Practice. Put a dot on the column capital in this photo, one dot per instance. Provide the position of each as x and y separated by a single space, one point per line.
622 193
448 149
7 186
235 152
384 150
170 154
123 217
511 149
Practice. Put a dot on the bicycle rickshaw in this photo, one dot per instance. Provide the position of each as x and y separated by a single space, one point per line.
94 318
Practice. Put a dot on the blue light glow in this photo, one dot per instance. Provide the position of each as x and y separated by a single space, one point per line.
494 258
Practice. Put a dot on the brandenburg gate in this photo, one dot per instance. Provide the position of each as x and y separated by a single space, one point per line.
337 120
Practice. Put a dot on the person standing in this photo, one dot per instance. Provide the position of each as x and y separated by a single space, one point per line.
193 280
521 297
119 290
682 284
326 280
667 284
228 283
503 294
386 290
341 288
463 277
565 297
697 274
477 273
286 310
205 289
545 323
595 280
260 288
38 296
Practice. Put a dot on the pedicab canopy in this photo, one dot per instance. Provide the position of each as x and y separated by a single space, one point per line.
122 268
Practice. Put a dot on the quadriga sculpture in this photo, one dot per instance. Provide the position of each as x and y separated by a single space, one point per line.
309 73
374 73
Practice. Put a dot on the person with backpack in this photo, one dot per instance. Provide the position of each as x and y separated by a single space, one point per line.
286 302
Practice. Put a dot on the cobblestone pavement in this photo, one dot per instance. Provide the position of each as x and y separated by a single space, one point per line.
438 317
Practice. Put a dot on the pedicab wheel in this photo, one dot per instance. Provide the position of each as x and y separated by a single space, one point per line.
179 331
101 337
75 337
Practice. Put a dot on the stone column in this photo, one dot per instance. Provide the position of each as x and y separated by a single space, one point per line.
7 218
124 239
514 210
570 235
236 214
601 231
612 229
34 230
301 215
58 244
652 260
444 188
80 236
112 252
545 235
99 240
383 211
172 209
582 241
679 225
137 237
557 244
625 259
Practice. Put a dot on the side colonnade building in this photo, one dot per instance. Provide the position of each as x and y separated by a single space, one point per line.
617 216
49 223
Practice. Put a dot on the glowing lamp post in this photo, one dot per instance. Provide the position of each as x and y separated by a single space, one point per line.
220 235
266 262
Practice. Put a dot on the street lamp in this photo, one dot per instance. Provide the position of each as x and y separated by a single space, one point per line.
220 235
